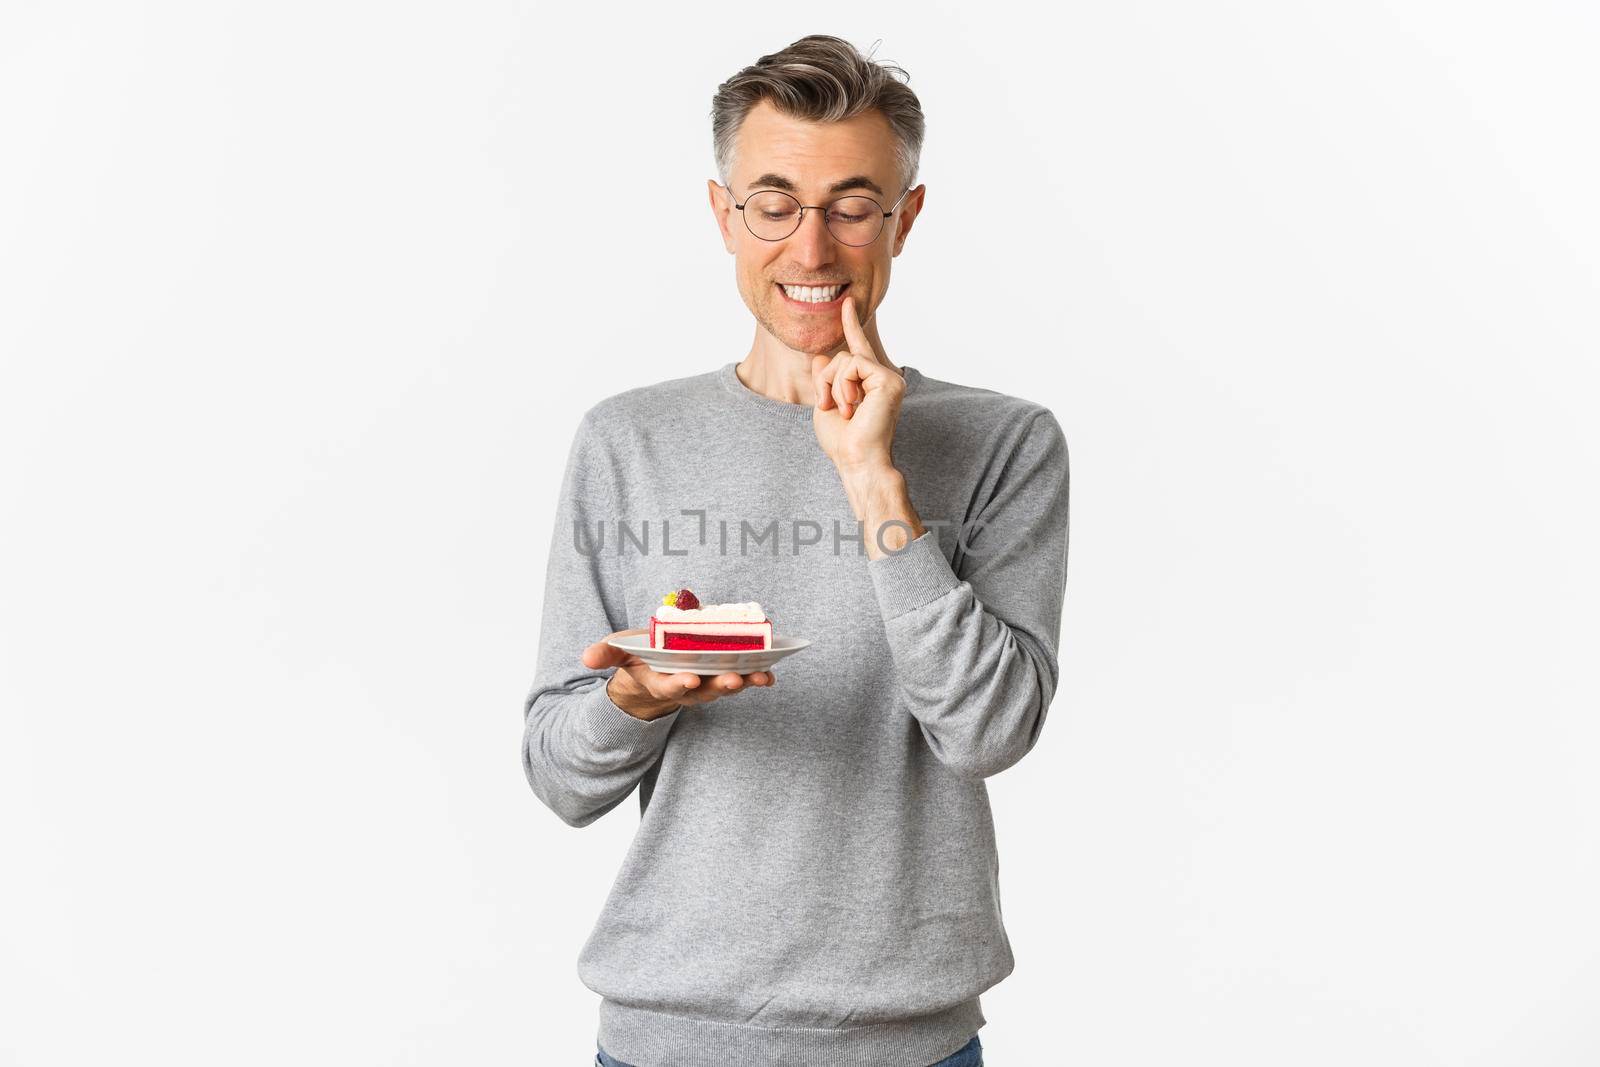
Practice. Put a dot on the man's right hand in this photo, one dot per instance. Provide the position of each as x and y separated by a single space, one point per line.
648 694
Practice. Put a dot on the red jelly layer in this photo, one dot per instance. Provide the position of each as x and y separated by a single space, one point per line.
713 644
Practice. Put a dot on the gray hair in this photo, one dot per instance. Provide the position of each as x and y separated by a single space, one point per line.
820 79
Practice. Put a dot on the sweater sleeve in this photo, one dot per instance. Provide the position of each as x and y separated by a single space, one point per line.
582 754
974 643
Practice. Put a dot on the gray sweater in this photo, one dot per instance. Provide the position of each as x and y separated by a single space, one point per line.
814 878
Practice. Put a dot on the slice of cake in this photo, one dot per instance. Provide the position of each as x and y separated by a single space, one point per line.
683 622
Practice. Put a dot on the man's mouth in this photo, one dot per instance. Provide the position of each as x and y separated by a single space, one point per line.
814 297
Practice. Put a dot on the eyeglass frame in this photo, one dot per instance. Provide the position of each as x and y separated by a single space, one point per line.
800 217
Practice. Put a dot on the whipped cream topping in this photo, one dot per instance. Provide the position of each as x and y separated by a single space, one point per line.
749 611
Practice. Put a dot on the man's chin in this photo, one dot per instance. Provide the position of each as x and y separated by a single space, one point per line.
818 341
812 342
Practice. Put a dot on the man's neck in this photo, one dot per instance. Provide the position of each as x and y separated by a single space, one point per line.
778 371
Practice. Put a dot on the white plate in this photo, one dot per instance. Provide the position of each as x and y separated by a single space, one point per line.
694 661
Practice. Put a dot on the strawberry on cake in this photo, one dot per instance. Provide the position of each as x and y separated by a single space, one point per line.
682 622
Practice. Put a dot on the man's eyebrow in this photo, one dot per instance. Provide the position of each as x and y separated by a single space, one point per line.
778 181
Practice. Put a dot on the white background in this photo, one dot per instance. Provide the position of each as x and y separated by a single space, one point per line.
300 304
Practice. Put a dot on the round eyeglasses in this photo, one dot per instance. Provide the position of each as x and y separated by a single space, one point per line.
853 220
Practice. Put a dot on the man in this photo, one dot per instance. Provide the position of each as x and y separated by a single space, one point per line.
814 877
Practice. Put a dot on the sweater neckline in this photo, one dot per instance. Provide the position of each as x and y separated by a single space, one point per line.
729 376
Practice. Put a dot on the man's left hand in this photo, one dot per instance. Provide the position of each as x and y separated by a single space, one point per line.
857 401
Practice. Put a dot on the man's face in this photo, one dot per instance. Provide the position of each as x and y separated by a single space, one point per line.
813 157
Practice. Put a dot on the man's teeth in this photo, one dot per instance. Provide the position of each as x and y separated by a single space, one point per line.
812 295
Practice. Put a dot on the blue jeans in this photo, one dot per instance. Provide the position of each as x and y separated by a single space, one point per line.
968 1055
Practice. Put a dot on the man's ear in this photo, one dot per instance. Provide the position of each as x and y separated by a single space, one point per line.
908 215
721 208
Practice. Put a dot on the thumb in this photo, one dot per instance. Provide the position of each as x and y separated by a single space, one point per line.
823 395
601 655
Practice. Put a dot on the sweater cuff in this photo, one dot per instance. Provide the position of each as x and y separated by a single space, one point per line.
918 574
609 728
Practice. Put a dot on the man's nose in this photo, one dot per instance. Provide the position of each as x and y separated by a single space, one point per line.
812 243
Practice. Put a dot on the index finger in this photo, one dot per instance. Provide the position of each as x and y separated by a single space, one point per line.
854 334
